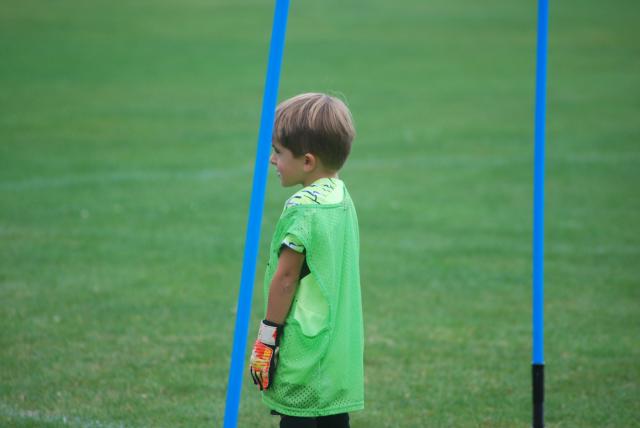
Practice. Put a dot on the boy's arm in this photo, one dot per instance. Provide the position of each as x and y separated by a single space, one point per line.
264 357
283 285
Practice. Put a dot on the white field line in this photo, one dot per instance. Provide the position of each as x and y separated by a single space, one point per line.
485 161
123 177
51 418
475 162
116 177
436 161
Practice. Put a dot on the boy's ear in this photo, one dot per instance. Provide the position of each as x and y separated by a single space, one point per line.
310 162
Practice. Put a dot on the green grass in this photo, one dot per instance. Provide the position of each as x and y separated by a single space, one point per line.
127 137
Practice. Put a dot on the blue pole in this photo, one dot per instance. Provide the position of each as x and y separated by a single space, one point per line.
538 215
234 386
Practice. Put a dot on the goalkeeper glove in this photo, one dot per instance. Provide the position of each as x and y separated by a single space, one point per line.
264 357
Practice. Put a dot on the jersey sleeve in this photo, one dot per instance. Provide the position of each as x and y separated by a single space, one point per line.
291 239
293 242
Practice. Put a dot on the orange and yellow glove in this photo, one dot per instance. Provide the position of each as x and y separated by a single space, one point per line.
264 357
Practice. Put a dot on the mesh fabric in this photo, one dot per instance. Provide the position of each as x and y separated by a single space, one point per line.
320 371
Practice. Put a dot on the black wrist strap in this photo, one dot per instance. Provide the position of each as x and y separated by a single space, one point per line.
272 324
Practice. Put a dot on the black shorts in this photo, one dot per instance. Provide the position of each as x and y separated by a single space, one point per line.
340 420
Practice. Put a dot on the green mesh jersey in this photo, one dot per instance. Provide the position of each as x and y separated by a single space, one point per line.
321 192
320 371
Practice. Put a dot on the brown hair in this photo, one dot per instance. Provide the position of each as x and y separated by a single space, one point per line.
318 124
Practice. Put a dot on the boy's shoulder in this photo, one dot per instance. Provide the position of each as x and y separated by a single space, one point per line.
320 192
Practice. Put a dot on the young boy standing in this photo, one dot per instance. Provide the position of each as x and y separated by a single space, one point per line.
308 358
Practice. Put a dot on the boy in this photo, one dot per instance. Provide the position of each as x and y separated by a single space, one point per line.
313 328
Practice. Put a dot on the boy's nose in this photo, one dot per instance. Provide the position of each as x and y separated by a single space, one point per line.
272 160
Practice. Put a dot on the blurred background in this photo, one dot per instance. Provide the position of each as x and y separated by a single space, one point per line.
127 138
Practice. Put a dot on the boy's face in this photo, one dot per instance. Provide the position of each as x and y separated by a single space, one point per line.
291 170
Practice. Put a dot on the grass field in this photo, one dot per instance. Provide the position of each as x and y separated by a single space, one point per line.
127 137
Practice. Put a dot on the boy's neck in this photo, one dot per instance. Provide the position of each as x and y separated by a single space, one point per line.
317 175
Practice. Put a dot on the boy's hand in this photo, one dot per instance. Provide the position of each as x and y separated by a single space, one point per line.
264 357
